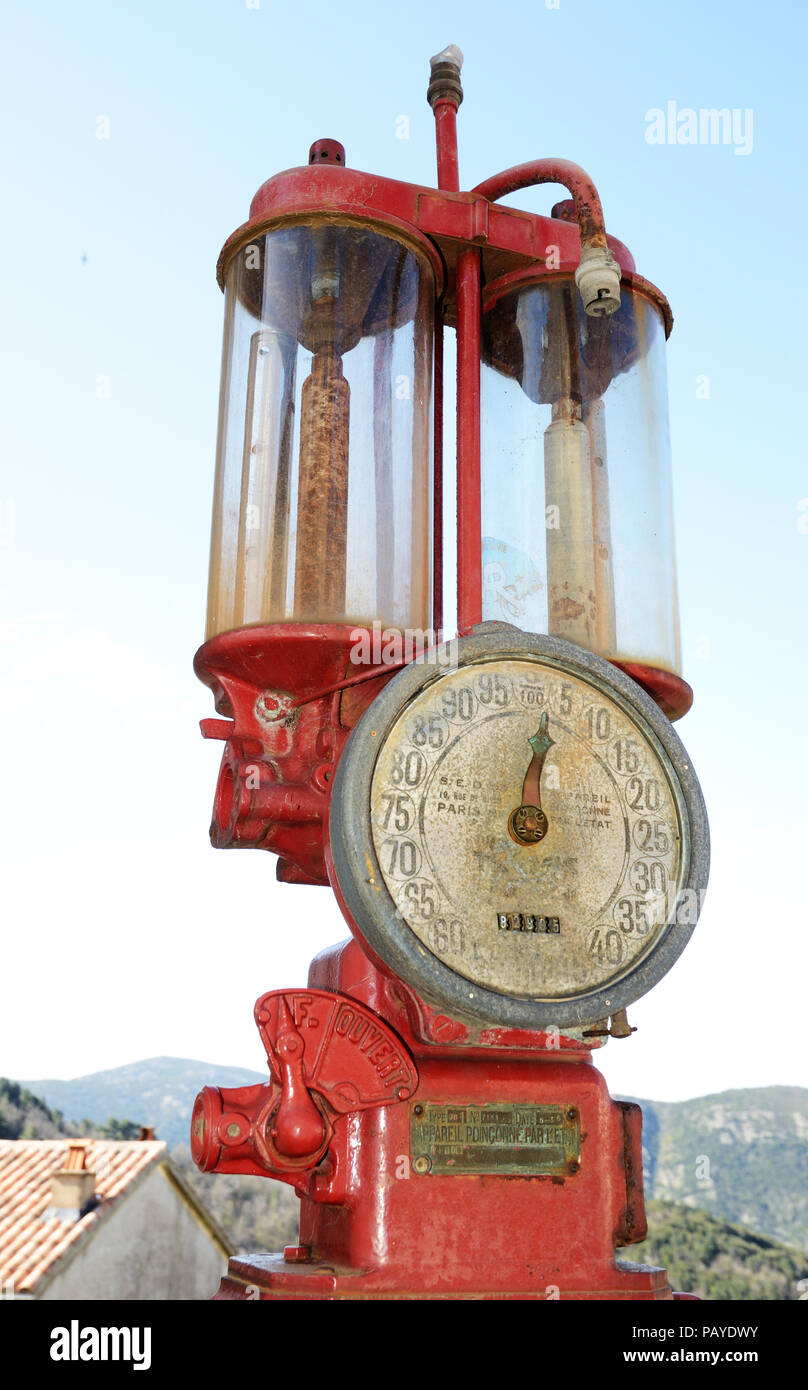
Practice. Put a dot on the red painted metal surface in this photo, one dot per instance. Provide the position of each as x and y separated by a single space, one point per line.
291 695
374 1226
673 695
444 94
446 141
327 152
437 478
469 535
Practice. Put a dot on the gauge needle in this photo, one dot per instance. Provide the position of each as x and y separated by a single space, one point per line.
528 823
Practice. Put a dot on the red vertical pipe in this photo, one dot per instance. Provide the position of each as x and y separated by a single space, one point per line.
444 95
437 479
445 112
446 144
469 522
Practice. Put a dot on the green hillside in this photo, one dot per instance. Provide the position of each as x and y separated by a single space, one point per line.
25 1116
717 1260
739 1155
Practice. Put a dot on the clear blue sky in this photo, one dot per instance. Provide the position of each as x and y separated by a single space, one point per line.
140 938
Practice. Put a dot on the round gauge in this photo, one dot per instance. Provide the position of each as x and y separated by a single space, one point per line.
517 833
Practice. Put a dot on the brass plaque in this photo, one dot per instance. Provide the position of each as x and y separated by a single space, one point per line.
503 1137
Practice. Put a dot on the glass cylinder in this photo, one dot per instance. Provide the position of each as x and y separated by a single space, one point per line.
577 524
323 497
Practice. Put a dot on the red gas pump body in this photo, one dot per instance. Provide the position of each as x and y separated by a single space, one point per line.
377 1221
360 1067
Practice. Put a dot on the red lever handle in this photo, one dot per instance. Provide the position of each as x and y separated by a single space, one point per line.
298 1129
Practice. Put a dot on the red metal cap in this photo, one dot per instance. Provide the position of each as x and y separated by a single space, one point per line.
327 152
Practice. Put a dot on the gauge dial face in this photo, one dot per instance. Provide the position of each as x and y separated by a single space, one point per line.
530 832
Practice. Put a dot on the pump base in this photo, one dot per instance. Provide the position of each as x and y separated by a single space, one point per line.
500 1168
264 1277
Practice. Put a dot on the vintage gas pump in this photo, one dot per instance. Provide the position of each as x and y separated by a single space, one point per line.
510 824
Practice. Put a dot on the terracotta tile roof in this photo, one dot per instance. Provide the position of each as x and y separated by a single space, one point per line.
29 1245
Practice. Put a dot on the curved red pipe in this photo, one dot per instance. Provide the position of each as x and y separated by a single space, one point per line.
588 210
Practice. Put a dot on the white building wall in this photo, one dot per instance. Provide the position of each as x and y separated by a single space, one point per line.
152 1247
